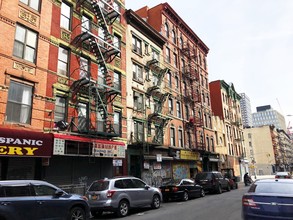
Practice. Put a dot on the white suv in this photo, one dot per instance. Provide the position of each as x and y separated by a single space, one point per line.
119 194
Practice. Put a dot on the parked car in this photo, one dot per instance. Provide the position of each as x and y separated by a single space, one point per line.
283 175
229 174
34 200
119 194
181 189
268 199
212 181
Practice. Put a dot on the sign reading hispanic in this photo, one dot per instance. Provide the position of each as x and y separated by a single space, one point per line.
25 143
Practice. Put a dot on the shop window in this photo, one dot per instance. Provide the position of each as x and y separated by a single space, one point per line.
19 104
25 44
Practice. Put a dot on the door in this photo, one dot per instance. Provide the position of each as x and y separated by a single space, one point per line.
144 195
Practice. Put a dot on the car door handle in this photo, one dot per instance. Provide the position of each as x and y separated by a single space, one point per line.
40 202
5 203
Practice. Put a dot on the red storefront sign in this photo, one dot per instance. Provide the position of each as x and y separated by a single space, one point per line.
24 143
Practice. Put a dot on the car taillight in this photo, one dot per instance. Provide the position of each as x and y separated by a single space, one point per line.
110 193
175 189
248 202
276 176
287 177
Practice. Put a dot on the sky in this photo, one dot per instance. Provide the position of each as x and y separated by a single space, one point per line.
250 45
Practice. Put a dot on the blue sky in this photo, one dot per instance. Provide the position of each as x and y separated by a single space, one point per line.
250 42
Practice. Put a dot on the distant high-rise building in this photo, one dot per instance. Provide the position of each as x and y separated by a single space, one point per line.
245 110
265 115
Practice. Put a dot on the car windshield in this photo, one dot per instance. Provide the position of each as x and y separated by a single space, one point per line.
99 185
203 176
272 187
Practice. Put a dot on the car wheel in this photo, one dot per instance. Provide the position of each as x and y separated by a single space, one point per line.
202 193
77 213
219 189
185 196
156 203
123 208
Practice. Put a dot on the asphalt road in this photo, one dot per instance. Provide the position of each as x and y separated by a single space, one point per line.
214 206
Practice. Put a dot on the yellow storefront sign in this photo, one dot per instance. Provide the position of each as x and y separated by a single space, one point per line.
189 155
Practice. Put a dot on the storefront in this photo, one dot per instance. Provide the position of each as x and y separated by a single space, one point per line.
23 153
78 160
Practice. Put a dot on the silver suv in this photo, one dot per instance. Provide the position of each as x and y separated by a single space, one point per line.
119 194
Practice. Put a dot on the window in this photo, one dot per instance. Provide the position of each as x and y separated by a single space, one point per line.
117 122
177 82
82 117
155 55
42 190
60 109
173 36
101 127
136 45
169 78
170 106
138 101
17 191
86 23
65 16
167 30
187 112
137 72
168 58
32 3
172 136
63 55
117 43
138 183
101 77
25 44
175 59
178 108
84 68
181 43
180 138
138 131
19 105
183 65
116 7
117 80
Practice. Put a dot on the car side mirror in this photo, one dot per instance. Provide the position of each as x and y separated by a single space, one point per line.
147 187
58 193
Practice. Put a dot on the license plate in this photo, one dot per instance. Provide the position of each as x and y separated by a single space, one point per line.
167 190
95 197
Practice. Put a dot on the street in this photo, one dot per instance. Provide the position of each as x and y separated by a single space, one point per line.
213 206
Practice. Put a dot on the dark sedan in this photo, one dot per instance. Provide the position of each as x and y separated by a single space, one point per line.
34 200
181 189
269 199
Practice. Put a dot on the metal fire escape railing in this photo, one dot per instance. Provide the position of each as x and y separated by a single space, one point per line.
103 91
158 117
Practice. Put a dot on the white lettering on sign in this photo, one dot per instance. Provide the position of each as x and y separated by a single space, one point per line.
19 141
108 150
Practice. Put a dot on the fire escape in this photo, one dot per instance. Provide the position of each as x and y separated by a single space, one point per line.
158 117
192 96
100 92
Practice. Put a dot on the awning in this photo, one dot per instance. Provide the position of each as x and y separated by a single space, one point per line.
25 143
100 147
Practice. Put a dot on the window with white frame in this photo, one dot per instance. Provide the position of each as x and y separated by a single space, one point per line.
60 109
137 72
34 4
84 68
178 108
136 45
25 44
83 116
65 21
19 104
172 137
138 101
180 138
155 55
63 61
117 122
86 23
138 131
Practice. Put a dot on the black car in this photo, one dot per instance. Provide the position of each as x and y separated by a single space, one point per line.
212 181
34 200
181 189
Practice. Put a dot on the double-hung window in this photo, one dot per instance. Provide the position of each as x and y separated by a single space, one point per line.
117 80
34 4
19 104
63 61
136 45
60 109
172 137
138 101
25 44
117 43
84 68
117 122
137 72
138 131
65 21
86 23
